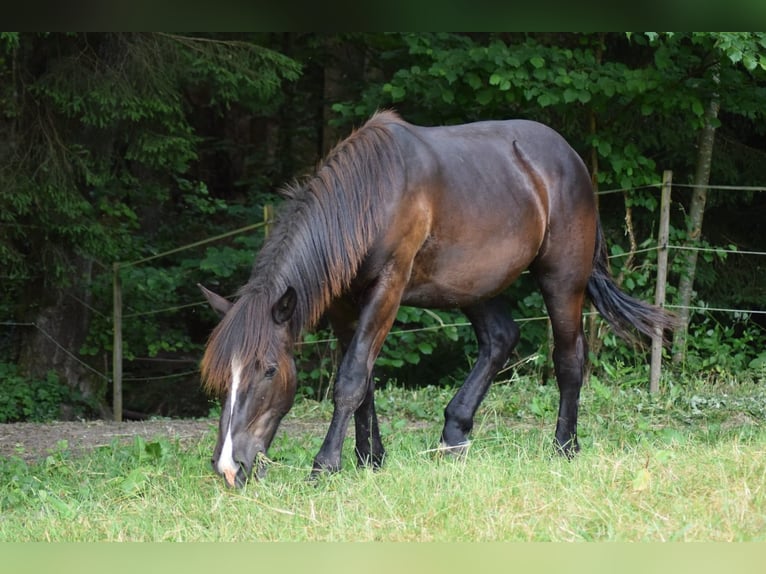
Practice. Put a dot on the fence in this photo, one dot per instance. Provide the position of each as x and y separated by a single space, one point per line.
117 307
663 247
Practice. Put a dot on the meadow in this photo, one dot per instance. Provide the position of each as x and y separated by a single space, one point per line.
688 464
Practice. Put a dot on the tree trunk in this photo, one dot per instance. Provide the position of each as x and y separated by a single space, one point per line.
344 69
696 213
61 321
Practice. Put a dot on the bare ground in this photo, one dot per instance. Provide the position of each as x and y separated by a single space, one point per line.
35 441
32 441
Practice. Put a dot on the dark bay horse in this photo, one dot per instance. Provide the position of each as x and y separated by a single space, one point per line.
399 214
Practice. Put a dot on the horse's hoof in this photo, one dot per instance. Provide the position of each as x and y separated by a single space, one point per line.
375 462
456 450
568 450
322 470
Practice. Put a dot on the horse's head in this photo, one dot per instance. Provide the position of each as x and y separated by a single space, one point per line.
256 382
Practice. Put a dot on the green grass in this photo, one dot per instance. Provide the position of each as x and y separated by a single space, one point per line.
689 464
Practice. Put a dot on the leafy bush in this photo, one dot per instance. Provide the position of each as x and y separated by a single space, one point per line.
716 348
33 400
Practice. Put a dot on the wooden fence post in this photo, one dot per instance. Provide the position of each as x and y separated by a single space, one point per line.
117 344
662 274
268 218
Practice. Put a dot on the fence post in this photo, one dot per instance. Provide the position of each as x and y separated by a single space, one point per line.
117 344
268 218
662 274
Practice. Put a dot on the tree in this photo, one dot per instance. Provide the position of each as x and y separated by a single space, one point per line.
741 53
101 153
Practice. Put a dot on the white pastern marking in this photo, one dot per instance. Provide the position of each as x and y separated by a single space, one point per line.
226 460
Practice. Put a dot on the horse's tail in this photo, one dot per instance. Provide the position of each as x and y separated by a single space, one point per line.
625 314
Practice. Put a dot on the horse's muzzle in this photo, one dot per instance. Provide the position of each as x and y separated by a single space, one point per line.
238 477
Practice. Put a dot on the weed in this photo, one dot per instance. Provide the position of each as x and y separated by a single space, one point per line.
34 400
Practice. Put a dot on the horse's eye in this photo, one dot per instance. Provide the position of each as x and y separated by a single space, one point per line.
270 372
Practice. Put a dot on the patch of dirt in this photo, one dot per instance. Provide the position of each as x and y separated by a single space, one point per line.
33 441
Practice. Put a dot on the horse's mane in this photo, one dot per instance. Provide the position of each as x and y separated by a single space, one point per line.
323 231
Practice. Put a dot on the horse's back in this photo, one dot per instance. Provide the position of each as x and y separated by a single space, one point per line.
484 157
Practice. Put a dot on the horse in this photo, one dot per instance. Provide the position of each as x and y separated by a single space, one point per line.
434 217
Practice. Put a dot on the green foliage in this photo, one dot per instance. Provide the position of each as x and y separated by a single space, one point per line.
718 349
317 360
413 336
104 167
745 48
106 140
129 469
32 400
237 72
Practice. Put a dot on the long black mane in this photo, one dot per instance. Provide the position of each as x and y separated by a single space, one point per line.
322 233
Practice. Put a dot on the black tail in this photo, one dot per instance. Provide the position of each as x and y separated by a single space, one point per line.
624 313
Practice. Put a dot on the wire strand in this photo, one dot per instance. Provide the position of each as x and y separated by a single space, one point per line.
195 244
66 351
715 250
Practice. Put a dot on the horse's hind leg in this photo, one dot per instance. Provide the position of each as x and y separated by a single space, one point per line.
569 356
369 446
497 335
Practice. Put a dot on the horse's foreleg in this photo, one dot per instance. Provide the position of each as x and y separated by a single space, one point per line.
497 334
369 446
369 450
353 388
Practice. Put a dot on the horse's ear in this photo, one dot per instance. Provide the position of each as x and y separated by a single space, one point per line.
220 305
285 307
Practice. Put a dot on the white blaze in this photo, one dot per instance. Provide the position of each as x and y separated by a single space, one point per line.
226 464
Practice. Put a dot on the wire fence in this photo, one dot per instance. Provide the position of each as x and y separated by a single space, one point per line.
394 332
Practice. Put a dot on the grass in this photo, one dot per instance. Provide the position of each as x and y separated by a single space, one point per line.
689 464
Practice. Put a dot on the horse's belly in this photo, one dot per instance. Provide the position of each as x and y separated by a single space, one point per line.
459 277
